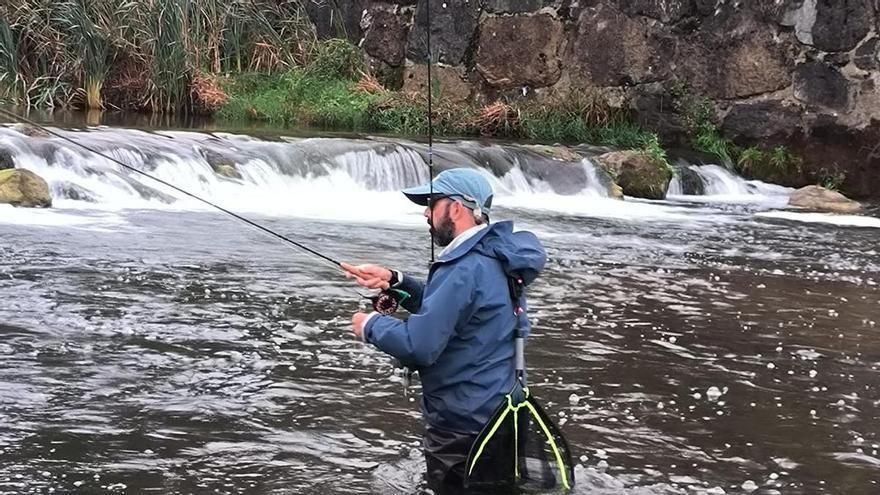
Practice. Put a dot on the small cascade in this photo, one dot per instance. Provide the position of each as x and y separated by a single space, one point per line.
709 182
266 175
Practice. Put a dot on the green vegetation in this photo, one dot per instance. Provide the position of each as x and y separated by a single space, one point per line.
697 115
297 97
334 91
775 163
261 59
832 179
142 55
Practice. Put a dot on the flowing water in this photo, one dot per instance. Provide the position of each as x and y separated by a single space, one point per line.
702 344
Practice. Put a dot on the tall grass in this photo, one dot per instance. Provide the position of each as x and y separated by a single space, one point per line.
65 52
166 36
11 83
91 50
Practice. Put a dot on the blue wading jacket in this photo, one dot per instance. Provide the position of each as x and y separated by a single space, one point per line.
460 334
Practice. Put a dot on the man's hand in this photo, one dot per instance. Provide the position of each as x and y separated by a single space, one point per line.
357 324
369 276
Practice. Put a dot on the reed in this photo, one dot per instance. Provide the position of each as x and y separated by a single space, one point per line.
89 48
11 83
68 52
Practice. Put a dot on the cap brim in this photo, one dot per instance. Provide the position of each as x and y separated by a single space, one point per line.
419 194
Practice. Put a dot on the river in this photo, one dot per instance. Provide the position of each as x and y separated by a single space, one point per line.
702 344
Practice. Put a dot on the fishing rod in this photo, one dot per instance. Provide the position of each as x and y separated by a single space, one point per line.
385 302
430 126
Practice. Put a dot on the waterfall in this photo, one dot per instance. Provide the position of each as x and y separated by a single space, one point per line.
266 175
713 182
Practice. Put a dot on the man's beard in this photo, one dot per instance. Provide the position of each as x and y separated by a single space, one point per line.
444 232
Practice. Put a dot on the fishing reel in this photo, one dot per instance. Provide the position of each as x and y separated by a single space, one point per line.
387 301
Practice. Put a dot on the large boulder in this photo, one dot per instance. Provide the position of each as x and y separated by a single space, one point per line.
819 198
20 187
639 175
520 50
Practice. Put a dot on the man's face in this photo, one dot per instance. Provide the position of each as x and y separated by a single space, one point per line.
442 226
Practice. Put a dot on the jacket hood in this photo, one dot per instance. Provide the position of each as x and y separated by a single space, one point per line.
520 253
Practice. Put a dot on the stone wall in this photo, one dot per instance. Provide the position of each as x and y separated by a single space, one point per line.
803 73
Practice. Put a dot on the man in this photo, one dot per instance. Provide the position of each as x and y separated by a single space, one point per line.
459 336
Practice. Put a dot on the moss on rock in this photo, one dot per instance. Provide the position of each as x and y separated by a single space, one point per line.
639 175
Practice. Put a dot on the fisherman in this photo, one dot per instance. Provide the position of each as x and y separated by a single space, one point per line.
460 335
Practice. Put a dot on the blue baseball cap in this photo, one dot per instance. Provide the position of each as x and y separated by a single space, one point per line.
464 184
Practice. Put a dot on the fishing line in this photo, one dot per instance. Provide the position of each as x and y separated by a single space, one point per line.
252 223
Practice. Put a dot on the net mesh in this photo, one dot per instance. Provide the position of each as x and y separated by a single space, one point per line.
520 450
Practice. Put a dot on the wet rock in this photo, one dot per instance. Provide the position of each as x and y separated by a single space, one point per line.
20 187
761 121
520 50
221 164
513 6
69 190
608 48
818 84
228 171
819 198
841 24
691 182
385 35
453 25
451 85
564 177
6 160
867 55
638 175
31 131
557 152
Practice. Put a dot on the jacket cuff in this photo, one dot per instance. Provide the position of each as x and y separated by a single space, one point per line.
399 278
366 328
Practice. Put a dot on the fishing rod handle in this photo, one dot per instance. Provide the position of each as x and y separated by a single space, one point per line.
520 357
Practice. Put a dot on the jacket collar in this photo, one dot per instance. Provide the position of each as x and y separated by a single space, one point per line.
462 238
468 244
